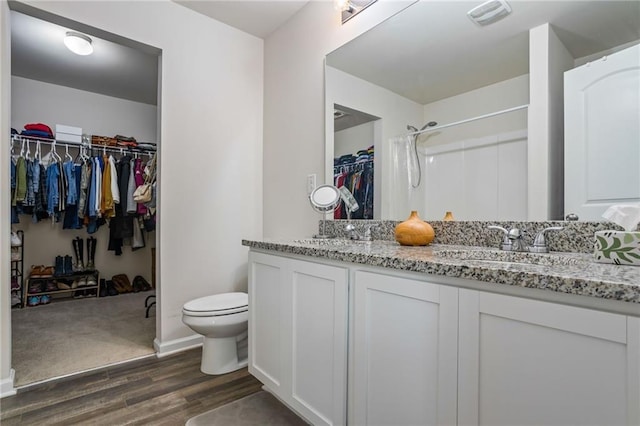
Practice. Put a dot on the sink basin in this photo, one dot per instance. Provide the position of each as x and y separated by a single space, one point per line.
329 242
544 259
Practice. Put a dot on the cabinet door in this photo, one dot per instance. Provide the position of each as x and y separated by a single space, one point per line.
267 284
318 341
528 362
405 351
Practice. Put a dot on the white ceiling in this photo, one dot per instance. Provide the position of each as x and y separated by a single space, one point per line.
432 50
429 51
259 18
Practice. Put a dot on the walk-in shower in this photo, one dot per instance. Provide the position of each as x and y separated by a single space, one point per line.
416 163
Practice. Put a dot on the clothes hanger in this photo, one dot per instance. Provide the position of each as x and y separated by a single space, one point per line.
28 152
38 153
54 153
67 156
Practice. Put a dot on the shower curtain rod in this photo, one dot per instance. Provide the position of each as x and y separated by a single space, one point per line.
468 120
88 145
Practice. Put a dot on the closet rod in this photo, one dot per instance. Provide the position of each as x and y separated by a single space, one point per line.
35 139
468 120
354 163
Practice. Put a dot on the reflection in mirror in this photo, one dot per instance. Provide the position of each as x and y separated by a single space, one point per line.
354 160
431 63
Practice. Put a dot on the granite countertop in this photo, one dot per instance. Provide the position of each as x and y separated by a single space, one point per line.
571 273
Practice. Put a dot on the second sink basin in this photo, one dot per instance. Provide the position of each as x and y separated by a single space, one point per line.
545 259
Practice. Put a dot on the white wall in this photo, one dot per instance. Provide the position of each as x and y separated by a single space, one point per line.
294 126
210 169
495 97
34 101
353 139
548 59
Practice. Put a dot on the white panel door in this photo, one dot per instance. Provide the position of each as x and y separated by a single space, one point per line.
602 134
526 362
405 351
319 296
267 284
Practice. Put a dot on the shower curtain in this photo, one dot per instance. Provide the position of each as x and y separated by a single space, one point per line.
402 197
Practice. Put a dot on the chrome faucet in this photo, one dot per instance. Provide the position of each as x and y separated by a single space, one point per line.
353 234
514 239
539 243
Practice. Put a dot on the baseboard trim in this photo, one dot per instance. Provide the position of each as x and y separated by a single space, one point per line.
171 347
6 385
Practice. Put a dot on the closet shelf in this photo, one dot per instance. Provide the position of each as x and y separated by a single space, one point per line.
143 148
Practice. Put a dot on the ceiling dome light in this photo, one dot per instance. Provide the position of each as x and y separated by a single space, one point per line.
78 43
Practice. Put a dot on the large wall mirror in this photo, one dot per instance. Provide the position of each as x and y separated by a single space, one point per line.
471 119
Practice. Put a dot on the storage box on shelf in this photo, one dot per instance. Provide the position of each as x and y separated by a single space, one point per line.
68 133
42 285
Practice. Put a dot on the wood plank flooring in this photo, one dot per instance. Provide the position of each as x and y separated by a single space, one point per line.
165 391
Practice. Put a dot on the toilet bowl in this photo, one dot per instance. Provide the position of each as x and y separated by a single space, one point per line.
222 320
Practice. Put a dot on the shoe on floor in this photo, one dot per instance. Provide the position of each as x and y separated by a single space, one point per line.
111 289
63 286
15 255
91 280
33 301
51 285
15 239
15 299
79 294
122 283
45 299
35 287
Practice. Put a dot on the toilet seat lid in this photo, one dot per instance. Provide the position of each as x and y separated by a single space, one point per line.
224 303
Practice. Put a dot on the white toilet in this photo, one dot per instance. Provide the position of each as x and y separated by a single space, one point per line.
222 320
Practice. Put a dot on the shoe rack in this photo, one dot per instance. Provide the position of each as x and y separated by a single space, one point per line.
41 286
17 272
78 278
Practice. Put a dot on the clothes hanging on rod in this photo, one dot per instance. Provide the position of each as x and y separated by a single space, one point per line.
355 172
88 191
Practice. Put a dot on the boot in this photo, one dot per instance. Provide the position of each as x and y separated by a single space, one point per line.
68 265
59 267
103 288
78 246
94 244
91 251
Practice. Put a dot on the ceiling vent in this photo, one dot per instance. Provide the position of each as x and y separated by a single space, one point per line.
489 12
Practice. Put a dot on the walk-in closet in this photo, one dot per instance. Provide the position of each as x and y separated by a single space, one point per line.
84 182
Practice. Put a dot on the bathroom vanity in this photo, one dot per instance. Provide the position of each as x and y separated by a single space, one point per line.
350 332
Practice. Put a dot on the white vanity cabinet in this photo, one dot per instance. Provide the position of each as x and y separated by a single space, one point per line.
425 353
404 351
524 361
298 334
